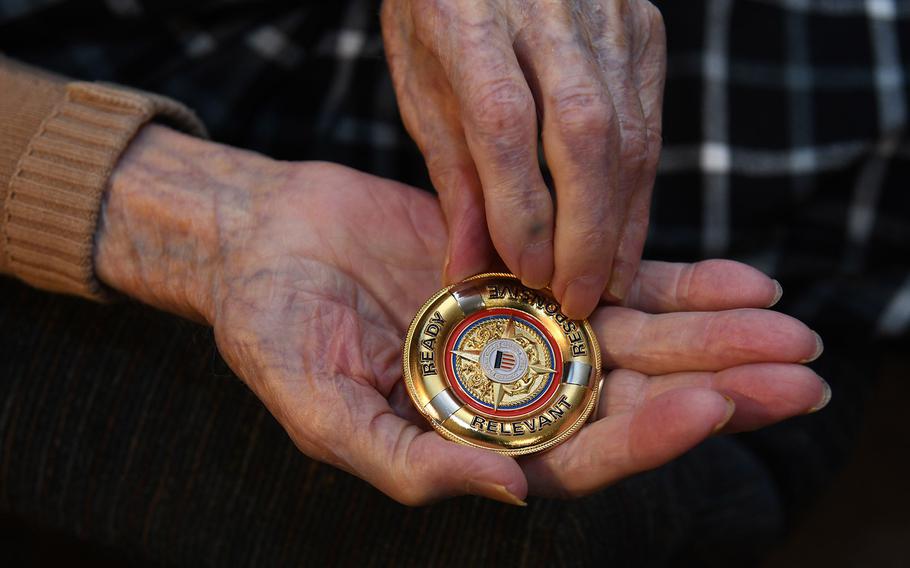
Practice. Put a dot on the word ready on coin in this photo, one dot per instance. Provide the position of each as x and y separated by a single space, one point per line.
493 364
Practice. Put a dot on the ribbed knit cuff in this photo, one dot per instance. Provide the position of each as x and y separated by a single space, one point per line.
55 192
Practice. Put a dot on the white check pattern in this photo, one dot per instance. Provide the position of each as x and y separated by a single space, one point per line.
781 148
722 162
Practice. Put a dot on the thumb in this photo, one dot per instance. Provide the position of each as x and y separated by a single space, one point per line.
417 467
452 469
469 250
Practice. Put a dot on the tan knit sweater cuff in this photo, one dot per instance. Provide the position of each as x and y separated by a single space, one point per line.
55 192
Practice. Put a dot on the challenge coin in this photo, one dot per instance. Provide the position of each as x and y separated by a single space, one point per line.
493 364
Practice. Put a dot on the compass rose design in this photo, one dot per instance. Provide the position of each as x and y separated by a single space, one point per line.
504 362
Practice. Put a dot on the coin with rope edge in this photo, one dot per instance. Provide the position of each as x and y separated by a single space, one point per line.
493 364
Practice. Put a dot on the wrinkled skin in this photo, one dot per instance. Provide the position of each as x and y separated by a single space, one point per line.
310 273
476 79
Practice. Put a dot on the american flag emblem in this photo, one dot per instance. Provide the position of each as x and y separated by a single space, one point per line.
505 361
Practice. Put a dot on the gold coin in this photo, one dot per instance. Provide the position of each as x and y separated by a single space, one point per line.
493 364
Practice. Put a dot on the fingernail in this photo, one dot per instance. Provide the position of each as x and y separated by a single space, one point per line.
731 408
615 289
496 492
819 349
536 264
581 296
778 294
826 397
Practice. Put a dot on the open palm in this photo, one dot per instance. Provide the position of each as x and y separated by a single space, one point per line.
318 288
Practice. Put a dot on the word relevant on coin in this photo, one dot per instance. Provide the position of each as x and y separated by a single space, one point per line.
495 365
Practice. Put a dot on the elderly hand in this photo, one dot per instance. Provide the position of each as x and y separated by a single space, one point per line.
476 80
310 273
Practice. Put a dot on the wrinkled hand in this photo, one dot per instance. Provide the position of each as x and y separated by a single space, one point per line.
310 273
476 79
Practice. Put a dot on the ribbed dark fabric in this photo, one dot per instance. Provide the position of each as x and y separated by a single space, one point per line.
133 434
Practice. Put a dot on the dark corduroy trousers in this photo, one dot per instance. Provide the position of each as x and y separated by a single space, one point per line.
121 425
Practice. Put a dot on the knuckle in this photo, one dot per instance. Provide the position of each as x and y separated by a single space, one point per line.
440 165
437 164
649 146
575 463
567 492
655 17
648 13
405 478
655 138
596 233
525 206
502 105
683 286
635 149
449 179
724 334
582 110
515 161
591 213
411 495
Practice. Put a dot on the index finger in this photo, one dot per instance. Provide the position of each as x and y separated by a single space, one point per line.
500 124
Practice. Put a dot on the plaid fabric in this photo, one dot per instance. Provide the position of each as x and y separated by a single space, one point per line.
785 140
785 147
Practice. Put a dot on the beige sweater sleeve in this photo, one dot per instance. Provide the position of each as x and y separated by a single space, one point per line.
59 142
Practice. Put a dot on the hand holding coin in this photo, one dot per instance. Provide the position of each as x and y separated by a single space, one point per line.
486 86
320 272
310 274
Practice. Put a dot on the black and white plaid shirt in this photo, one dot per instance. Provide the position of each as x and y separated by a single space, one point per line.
785 120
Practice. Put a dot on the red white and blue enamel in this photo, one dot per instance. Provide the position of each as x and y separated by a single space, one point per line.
504 411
